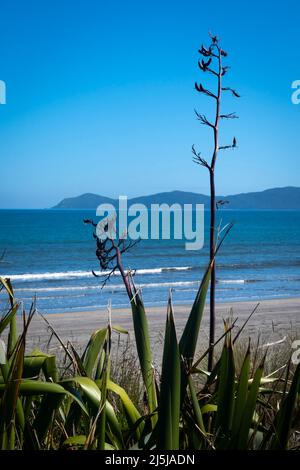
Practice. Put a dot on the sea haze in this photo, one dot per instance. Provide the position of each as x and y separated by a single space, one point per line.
51 254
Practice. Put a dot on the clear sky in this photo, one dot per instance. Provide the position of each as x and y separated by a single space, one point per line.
100 97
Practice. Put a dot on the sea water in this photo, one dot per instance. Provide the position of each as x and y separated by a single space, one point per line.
50 254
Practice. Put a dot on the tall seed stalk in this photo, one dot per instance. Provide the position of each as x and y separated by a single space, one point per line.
211 56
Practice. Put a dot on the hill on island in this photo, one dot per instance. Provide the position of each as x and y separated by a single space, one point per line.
287 198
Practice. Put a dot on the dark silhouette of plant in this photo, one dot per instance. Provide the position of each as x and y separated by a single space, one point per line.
109 251
212 63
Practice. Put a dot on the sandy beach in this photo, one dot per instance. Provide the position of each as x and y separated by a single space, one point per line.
272 320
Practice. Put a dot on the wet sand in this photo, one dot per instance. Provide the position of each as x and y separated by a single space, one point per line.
272 320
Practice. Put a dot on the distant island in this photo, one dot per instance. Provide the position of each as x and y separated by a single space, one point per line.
287 198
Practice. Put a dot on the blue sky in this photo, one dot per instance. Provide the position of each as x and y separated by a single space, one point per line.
100 97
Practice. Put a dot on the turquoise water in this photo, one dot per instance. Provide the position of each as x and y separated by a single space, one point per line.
51 254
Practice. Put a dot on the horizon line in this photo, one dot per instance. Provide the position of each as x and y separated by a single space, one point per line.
149 195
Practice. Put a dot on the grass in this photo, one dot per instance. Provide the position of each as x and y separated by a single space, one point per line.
99 399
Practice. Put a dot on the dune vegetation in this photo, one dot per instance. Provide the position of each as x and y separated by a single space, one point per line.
81 406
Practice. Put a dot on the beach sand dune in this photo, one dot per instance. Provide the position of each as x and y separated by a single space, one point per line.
272 320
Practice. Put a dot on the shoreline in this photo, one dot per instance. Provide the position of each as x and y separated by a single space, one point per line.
273 319
163 304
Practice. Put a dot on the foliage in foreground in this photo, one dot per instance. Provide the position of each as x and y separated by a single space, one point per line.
189 409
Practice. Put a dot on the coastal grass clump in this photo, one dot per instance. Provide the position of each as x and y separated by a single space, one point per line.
94 404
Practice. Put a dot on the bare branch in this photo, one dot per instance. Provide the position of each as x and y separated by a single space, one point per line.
221 202
203 65
229 116
214 39
108 252
232 91
107 277
225 147
225 70
198 159
232 146
203 119
212 71
127 245
205 52
89 221
200 89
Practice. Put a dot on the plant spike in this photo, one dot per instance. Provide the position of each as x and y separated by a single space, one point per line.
214 53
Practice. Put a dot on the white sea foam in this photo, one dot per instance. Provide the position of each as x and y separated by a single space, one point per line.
231 281
116 287
85 274
109 287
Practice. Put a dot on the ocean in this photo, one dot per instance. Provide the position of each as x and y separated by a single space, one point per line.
51 254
